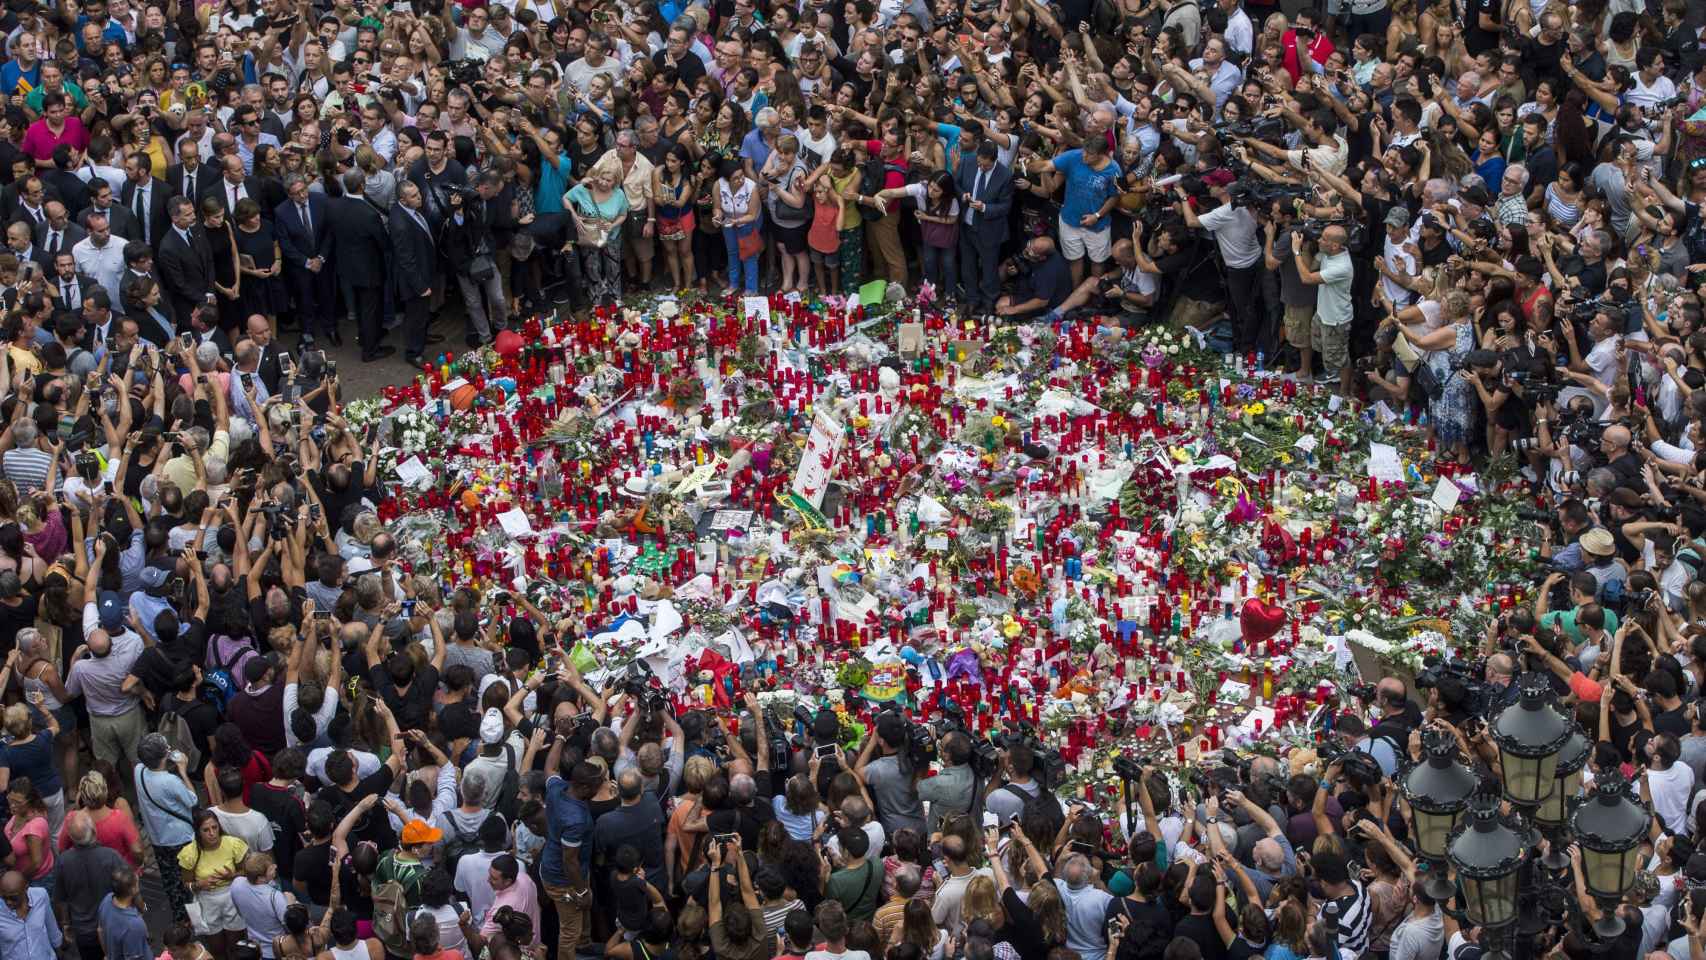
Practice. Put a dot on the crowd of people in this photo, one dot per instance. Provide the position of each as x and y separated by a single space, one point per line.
219 678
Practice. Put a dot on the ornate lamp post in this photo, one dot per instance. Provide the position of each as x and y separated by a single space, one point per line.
1438 791
1487 850
1609 827
1529 734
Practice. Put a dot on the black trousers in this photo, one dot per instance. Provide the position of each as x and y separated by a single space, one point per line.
980 263
89 947
417 316
366 303
1242 284
314 298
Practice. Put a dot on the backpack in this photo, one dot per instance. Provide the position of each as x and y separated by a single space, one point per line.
219 684
176 730
1044 805
509 793
871 178
391 918
459 844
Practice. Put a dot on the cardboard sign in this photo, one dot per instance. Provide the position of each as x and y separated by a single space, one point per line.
910 339
823 445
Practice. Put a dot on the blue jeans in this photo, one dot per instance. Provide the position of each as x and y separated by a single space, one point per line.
731 243
940 268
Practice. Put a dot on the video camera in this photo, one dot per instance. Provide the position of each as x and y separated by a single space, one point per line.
1253 128
1476 696
465 72
1358 766
636 683
1255 192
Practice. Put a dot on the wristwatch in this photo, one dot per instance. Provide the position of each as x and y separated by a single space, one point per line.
1213 820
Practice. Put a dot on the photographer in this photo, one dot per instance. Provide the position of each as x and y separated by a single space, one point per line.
892 776
467 240
1236 233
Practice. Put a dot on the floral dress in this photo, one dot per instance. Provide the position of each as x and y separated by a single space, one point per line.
1454 412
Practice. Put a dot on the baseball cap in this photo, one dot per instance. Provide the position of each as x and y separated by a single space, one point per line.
110 606
358 566
1219 177
1398 217
492 726
419 831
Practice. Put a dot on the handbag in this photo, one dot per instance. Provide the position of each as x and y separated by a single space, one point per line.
748 242
482 267
595 233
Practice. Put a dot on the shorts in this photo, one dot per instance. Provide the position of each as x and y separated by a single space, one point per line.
634 237
1075 242
1297 325
676 228
791 239
218 913
830 259
1332 342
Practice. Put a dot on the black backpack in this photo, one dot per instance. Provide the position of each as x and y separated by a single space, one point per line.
509 793
871 178
459 844
1045 805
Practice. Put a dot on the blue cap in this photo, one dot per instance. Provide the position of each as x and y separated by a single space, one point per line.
111 608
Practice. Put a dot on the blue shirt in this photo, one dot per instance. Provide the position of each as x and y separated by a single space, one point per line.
1086 189
568 823
553 183
754 148
36 936
35 761
124 930
10 75
167 806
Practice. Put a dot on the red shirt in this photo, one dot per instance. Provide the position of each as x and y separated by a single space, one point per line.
1319 50
891 176
39 141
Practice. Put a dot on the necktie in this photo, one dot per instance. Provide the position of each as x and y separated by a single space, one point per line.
977 189
235 188
66 290
53 241
140 200
189 185
307 222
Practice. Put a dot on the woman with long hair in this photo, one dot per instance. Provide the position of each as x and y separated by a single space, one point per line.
231 749
28 834
918 928
938 213
799 808
1563 196
210 863
787 202
674 183
227 269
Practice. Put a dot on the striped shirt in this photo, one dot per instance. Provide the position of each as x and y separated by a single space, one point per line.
27 468
1356 914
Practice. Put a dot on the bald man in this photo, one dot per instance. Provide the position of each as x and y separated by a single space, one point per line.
28 930
1389 738
1623 462
1329 331
83 878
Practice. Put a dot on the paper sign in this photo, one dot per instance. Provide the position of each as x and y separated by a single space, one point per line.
759 307
413 473
811 478
696 479
731 520
872 293
1383 463
1446 495
515 523
910 339
966 351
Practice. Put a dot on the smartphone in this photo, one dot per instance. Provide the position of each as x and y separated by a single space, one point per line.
408 608
201 555
248 381
187 339
284 360
322 614
825 750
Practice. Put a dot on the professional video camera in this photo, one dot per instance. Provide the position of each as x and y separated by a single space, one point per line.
1255 192
1254 128
465 72
1049 765
1469 673
1358 766
636 683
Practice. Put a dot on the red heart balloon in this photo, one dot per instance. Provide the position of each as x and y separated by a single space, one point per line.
1259 621
508 343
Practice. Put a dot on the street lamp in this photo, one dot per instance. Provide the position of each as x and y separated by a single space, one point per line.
1609 828
1438 791
1553 811
1529 734
1487 851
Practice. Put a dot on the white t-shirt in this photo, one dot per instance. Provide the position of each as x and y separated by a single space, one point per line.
253 828
1670 790
1236 232
1644 96
1602 360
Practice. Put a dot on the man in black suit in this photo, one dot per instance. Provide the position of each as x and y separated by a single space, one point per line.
139 266
21 244
230 187
414 269
189 176
25 200
204 328
66 286
58 233
359 242
986 196
146 199
186 261
73 192
268 368
120 221
300 225
98 317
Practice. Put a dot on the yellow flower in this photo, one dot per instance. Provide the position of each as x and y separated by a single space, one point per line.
1009 627
861 422
1409 610
998 421
1256 409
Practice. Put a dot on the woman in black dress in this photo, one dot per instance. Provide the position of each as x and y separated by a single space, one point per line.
258 259
226 279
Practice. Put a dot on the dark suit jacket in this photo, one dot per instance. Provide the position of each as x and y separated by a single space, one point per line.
294 243
73 192
84 284
147 328
120 221
216 187
175 179
127 282
216 336
414 264
73 235
997 197
358 242
269 371
159 222
187 270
